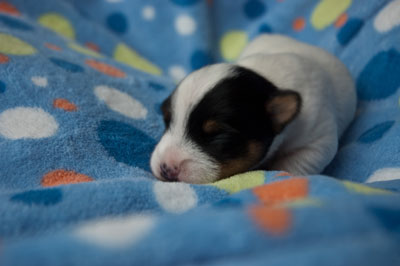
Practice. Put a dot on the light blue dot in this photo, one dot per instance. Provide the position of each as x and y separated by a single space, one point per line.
376 132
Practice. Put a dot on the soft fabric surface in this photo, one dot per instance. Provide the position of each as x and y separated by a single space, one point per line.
81 83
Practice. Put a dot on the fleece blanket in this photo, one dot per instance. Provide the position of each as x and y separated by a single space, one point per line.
81 84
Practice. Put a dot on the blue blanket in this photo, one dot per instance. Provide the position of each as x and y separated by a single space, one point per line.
81 84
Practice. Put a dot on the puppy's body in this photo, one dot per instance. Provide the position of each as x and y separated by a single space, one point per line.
282 106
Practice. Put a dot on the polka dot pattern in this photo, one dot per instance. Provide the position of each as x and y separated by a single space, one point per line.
126 55
200 59
64 104
39 81
63 177
185 25
117 22
281 191
349 31
15 23
388 18
184 3
14 46
376 132
66 65
327 11
8 8
137 145
299 24
232 44
254 9
380 78
44 197
121 102
2 87
275 221
105 68
115 233
27 122
58 24
175 197
4 59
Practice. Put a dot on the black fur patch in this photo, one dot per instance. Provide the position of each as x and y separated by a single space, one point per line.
237 105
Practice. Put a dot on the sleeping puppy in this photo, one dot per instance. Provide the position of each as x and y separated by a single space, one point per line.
282 106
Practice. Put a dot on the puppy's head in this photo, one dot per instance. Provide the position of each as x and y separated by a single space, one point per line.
220 121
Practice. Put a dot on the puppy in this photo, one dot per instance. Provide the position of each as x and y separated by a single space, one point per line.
282 106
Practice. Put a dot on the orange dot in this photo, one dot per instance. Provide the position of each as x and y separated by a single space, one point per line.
341 20
93 46
282 191
52 46
105 68
299 24
274 220
64 104
63 177
3 59
283 174
9 9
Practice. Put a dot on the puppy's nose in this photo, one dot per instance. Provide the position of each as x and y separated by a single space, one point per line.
169 173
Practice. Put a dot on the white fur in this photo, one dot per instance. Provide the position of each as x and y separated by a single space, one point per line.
307 144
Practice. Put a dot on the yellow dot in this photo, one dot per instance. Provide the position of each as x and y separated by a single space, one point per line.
83 50
240 182
327 11
232 44
126 55
14 46
58 24
362 189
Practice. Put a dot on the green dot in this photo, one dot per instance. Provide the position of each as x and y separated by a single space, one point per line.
232 44
58 24
83 50
327 11
14 46
126 55
240 182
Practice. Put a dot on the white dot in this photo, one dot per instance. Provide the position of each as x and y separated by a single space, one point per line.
388 17
384 174
121 102
177 73
39 81
148 12
185 25
175 197
116 232
26 122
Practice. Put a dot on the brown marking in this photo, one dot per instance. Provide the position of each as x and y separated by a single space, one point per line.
211 126
236 166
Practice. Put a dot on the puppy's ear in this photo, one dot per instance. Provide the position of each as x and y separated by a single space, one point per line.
282 108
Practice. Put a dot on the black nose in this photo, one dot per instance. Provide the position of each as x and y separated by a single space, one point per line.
169 173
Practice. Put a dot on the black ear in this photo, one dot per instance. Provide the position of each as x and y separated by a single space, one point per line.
282 108
166 111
